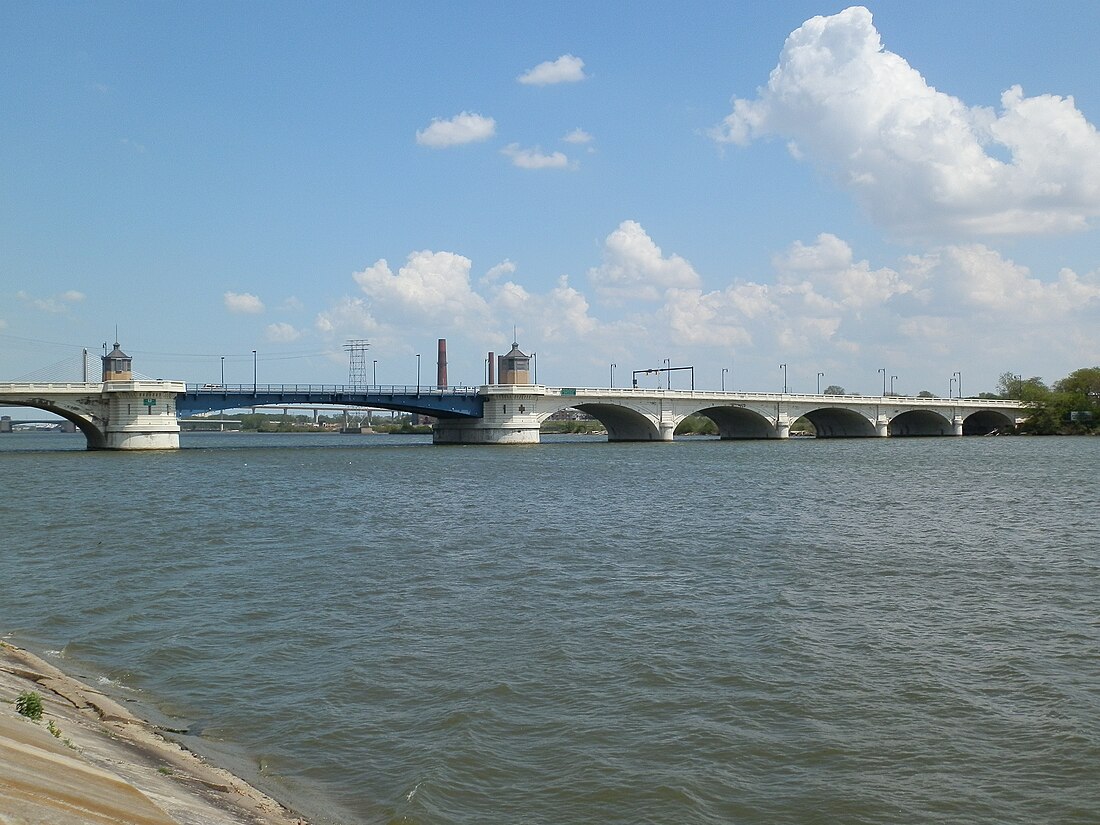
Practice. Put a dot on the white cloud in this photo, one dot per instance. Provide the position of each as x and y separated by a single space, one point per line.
828 265
635 268
432 285
55 304
243 303
348 318
495 273
578 136
916 158
466 127
535 158
282 332
566 69
819 307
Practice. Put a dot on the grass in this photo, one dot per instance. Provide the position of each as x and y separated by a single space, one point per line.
29 704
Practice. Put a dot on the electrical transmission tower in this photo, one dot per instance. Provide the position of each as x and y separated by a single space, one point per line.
357 362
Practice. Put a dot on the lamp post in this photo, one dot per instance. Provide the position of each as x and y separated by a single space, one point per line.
223 374
724 371
374 373
612 376
892 377
820 375
255 372
784 368
883 371
959 375
668 373
951 388
418 373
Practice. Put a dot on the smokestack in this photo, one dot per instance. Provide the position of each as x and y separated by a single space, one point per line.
441 364
492 368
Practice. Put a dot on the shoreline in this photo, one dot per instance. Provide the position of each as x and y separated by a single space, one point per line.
105 764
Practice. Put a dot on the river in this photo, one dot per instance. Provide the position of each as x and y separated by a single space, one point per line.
378 630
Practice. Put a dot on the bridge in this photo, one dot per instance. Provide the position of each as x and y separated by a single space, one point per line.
144 414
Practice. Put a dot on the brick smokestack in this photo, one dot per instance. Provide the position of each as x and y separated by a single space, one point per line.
441 364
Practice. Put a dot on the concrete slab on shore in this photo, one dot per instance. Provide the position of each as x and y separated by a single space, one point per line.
107 766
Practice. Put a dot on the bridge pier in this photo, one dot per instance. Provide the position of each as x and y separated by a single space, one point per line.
882 428
478 431
957 425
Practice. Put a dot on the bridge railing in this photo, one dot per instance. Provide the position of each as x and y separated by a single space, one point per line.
327 389
783 396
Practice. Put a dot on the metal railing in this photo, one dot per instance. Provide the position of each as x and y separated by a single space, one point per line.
327 389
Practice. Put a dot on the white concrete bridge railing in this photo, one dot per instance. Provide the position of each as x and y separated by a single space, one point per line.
514 413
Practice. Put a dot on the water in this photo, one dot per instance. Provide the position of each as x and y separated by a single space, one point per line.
377 630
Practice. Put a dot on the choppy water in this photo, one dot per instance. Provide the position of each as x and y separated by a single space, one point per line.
868 631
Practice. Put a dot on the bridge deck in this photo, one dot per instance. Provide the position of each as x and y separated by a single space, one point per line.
440 402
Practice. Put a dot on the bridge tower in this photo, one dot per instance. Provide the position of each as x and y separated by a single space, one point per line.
117 365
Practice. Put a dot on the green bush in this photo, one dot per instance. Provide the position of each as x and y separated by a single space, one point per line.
29 704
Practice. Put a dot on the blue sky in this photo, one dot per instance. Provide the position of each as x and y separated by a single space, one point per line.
908 186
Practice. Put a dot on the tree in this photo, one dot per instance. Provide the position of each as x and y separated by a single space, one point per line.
925 394
1083 382
834 389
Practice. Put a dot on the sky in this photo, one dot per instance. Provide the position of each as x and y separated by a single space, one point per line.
898 189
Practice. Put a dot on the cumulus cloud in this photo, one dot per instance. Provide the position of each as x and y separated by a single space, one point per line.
828 266
535 158
920 160
432 285
349 317
55 304
566 69
465 127
242 303
635 268
819 306
578 136
497 272
282 332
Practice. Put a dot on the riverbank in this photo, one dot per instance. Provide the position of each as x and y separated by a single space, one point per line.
90 760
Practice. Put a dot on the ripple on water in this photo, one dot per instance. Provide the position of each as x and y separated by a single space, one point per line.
706 632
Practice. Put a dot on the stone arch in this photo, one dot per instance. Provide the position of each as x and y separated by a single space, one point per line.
984 422
96 438
739 422
622 423
837 422
920 423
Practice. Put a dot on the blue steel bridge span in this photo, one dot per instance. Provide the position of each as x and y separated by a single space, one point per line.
438 402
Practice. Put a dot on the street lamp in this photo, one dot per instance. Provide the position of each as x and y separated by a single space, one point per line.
418 373
892 377
668 373
959 375
254 371
375 373
951 388
613 376
820 375
883 371
784 368
223 374
724 371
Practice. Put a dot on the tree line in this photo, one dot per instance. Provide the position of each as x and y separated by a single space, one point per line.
1070 406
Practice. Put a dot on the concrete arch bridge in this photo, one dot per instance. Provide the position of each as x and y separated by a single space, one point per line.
512 414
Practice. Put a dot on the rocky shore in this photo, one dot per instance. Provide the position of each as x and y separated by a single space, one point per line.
89 760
